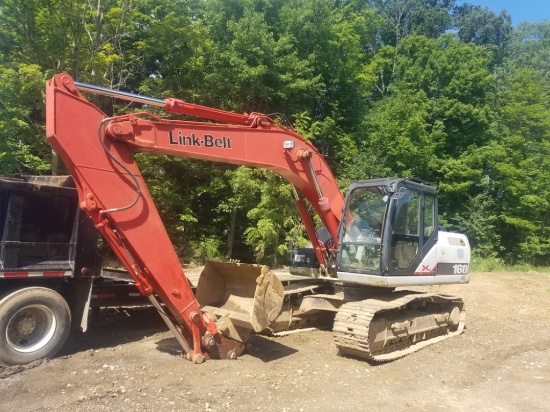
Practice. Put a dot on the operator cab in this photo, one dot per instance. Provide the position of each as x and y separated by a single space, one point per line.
389 237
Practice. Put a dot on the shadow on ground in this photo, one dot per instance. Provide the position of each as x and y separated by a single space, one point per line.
113 327
267 350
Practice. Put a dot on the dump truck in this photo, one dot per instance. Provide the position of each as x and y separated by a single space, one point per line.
380 239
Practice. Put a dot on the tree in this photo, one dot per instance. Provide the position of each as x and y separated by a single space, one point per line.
267 202
437 107
529 47
23 147
483 27
520 170
479 220
430 18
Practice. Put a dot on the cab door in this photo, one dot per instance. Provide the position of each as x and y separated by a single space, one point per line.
411 229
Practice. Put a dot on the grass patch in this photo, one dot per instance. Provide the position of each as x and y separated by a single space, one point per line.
493 264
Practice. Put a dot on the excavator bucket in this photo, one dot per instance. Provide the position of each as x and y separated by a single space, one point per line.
242 298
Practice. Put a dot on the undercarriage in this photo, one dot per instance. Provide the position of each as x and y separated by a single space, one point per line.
375 324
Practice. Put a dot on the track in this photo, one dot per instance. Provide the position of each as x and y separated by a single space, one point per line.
390 327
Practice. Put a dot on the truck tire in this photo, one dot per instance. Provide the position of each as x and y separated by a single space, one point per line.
34 324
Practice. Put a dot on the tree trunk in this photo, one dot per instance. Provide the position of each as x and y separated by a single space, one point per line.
55 163
231 233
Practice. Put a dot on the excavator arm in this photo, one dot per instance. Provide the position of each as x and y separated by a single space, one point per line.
98 151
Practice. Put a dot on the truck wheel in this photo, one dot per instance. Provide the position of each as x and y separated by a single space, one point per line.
34 324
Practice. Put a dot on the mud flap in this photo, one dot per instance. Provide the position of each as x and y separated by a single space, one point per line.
242 298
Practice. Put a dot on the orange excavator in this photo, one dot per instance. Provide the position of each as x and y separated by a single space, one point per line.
383 237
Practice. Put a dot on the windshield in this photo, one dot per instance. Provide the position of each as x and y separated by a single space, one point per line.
362 234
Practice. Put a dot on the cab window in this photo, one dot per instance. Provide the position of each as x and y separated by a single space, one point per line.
363 229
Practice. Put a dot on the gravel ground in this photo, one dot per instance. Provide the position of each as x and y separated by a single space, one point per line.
130 362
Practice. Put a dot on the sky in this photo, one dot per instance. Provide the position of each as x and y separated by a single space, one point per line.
520 10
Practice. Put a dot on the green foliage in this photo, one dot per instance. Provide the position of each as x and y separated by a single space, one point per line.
263 66
269 207
430 18
528 48
482 26
488 264
430 88
436 108
498 265
479 223
520 169
207 249
23 148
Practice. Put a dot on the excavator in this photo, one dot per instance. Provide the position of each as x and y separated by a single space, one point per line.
380 239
